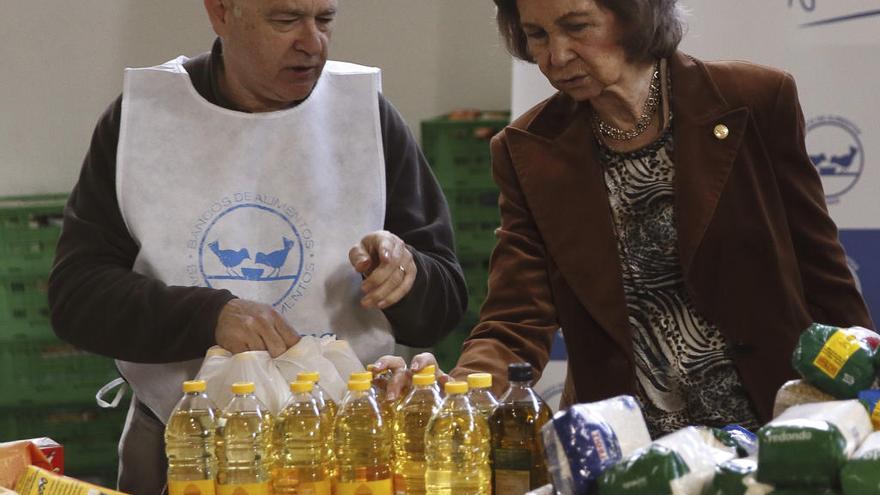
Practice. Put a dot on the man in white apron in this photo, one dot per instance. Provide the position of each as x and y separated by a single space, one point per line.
242 198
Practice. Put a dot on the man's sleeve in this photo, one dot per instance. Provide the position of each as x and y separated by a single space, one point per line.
96 301
417 213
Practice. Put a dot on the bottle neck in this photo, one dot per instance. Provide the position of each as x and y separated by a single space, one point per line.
519 391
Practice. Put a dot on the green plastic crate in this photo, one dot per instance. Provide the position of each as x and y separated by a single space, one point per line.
458 149
39 372
29 230
89 435
23 300
474 218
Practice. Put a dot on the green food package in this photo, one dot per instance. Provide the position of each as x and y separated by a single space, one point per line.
808 444
649 471
839 361
730 477
861 474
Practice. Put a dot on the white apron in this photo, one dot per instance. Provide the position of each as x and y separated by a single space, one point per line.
265 205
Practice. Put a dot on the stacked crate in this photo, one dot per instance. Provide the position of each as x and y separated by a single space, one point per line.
457 147
47 387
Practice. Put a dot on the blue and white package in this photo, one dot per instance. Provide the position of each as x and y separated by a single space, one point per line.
586 439
746 441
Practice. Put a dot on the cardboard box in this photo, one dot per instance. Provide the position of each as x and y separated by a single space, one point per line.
38 481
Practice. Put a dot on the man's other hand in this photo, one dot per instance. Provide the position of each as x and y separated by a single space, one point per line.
387 267
251 326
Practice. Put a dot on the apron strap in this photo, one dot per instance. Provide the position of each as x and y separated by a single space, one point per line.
123 388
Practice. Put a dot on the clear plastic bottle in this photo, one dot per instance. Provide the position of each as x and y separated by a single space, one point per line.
517 454
325 402
363 444
244 444
480 393
457 447
328 410
189 442
429 370
301 465
410 423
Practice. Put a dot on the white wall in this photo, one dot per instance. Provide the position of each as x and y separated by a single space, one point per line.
62 65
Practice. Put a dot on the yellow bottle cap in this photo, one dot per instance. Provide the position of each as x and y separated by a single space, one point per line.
371 367
479 380
361 375
456 388
358 385
243 388
308 376
194 386
424 379
299 387
427 370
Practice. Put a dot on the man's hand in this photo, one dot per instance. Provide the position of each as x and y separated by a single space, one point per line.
387 266
252 326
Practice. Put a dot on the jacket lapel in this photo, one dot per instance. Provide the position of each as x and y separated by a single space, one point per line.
702 160
565 190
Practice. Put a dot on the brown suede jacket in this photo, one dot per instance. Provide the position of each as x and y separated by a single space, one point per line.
759 252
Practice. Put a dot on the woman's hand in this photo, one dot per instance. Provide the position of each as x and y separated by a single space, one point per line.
401 379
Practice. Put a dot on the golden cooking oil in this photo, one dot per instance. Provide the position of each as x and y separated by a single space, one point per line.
480 393
301 463
189 442
410 423
457 447
244 444
328 409
363 444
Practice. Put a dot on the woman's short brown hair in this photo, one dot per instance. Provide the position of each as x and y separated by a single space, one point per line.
652 28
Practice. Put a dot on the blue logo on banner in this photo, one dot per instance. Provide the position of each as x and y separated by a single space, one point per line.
809 6
862 247
230 258
837 153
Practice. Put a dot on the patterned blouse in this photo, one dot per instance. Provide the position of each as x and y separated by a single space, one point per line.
683 367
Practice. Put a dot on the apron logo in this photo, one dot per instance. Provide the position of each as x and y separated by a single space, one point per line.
251 246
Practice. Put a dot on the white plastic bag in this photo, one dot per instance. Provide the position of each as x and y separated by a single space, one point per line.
306 355
333 359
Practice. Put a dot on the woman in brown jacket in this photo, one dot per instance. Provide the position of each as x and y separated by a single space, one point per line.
663 212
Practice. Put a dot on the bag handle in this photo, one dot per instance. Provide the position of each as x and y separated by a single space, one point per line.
117 382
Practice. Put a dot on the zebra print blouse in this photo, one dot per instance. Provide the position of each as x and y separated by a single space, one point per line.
684 370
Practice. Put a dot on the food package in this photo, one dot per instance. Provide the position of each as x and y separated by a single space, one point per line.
38 481
585 439
871 400
650 471
807 445
16 456
861 474
741 439
795 393
737 477
840 361
681 463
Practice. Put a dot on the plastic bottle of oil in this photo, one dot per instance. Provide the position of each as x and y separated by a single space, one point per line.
429 370
325 402
189 442
328 409
301 465
410 423
363 444
517 455
480 393
244 444
457 447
